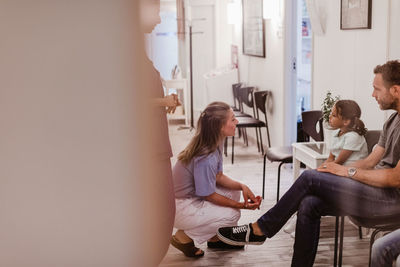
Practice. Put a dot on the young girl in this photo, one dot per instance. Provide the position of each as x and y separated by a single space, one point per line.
206 199
348 143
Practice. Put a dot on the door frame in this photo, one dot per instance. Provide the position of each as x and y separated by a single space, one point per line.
290 74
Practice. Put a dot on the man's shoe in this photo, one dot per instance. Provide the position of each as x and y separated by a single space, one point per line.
240 235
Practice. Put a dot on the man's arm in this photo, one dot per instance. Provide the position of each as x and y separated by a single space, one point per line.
365 174
379 178
371 161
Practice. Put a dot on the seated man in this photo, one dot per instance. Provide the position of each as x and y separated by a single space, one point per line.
369 187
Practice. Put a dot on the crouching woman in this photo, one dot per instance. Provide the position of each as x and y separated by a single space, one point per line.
207 199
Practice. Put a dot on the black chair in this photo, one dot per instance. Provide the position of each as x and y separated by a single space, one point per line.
246 98
385 223
236 111
236 101
235 86
284 154
310 120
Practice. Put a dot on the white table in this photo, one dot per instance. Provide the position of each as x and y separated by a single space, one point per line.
312 154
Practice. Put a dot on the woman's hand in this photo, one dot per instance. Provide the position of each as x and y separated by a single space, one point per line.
250 205
248 195
171 102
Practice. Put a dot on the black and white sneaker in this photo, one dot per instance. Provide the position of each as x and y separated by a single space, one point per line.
240 235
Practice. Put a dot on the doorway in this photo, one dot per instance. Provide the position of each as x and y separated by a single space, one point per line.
298 67
303 59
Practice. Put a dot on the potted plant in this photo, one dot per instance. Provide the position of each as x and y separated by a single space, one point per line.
326 109
327 105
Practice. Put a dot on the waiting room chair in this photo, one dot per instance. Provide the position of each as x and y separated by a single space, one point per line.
312 124
236 101
284 154
246 97
236 111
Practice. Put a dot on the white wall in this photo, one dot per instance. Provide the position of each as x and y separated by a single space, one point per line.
266 74
394 36
344 60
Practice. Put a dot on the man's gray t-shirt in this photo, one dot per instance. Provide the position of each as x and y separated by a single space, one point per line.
198 178
390 140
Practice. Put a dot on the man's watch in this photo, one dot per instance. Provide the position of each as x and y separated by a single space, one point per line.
351 171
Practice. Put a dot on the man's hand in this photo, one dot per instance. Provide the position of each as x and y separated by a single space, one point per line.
334 168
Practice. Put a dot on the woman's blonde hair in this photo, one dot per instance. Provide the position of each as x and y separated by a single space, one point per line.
208 133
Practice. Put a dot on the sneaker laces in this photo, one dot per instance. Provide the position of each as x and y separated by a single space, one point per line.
240 229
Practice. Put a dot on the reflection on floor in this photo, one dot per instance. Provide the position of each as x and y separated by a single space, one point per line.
278 250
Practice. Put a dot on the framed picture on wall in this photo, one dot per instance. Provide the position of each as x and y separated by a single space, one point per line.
253 28
355 14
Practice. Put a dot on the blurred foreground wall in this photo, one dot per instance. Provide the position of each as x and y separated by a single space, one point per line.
71 156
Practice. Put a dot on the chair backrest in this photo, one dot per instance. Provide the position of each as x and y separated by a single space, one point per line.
235 90
372 138
246 96
260 101
310 120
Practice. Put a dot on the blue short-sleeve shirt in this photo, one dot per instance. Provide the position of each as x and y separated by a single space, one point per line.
198 178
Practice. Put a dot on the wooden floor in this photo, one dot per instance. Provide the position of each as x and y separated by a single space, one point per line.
278 250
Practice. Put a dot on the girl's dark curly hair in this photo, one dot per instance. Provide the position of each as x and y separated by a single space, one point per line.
350 110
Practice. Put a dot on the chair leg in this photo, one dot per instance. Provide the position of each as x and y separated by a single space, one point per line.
263 188
279 181
258 142
360 232
336 241
233 145
246 141
341 241
261 143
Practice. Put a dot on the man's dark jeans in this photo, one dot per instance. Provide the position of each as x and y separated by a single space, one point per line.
315 194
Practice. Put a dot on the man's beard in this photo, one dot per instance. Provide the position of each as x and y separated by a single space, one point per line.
392 105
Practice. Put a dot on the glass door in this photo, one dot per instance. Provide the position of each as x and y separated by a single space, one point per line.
303 62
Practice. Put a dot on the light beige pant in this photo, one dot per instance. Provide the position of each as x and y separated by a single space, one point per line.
200 219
